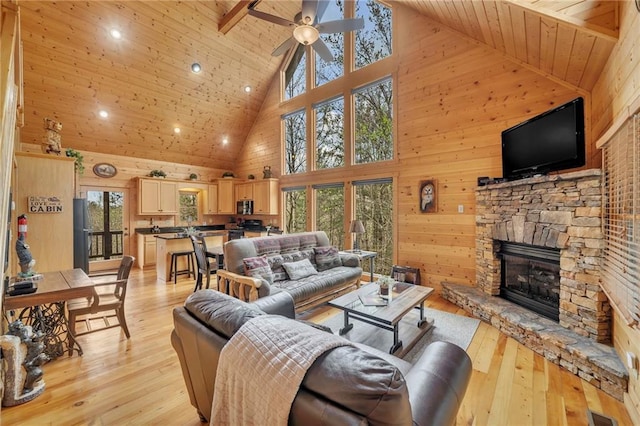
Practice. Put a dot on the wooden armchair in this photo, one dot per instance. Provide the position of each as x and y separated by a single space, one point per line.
239 286
108 295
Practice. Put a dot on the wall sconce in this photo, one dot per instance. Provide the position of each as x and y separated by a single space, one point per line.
357 228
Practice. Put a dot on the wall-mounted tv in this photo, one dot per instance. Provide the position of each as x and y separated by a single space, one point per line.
546 143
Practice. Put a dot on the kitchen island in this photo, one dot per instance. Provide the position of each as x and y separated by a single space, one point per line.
166 243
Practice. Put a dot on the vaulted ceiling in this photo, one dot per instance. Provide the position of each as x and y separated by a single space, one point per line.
73 68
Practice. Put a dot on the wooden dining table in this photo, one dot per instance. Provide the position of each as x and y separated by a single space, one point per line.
45 310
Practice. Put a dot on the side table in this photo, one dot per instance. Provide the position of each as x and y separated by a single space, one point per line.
363 254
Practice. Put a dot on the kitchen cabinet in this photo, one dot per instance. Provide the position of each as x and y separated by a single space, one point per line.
265 196
146 250
211 205
244 191
157 197
226 201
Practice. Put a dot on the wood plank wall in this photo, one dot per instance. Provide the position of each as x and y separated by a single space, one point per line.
454 97
617 88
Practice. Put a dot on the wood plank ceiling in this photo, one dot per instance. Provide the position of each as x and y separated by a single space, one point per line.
73 68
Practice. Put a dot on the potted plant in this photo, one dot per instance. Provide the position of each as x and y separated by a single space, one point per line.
193 176
251 177
79 166
157 173
385 283
228 175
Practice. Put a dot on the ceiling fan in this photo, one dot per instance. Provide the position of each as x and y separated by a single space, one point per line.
307 29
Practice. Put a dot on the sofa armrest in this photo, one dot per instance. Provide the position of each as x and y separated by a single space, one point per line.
277 303
242 287
437 383
349 259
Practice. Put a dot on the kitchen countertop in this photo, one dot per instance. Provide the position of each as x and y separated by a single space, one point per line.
178 229
180 235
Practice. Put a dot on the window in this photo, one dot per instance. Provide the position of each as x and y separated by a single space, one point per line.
294 76
330 212
621 266
188 207
373 42
373 122
329 134
374 207
295 142
329 71
295 210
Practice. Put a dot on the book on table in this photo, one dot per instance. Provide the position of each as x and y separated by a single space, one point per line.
372 299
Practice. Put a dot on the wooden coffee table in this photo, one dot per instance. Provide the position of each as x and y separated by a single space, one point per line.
404 298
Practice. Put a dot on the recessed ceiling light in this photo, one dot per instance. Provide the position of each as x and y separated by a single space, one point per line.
247 89
225 141
116 34
196 68
176 130
103 114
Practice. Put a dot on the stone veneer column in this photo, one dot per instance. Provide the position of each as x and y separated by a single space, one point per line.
559 211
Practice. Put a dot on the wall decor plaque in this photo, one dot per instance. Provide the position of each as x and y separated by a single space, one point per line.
45 204
105 170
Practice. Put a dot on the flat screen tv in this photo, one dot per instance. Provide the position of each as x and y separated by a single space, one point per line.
546 143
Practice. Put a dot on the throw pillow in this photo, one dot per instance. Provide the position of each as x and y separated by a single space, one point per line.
327 258
258 267
300 269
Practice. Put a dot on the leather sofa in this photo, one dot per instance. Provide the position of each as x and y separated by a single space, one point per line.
333 274
348 385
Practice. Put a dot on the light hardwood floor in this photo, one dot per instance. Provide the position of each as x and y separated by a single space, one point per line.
138 381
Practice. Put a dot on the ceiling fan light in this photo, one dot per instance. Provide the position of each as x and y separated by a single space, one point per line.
306 34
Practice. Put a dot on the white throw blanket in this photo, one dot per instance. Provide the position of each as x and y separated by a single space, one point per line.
261 368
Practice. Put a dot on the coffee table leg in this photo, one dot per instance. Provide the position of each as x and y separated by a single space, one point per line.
422 318
397 343
347 326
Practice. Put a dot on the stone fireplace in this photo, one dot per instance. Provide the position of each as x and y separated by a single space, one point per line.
561 212
559 216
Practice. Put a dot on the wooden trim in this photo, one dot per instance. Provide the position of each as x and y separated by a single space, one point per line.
235 15
628 111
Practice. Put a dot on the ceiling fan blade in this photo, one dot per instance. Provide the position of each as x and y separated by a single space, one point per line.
286 45
321 49
341 26
271 18
322 7
309 10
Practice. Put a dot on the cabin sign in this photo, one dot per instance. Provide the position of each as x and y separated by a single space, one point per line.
45 204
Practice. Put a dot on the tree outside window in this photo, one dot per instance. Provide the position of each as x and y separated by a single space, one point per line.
295 140
188 207
295 210
373 42
330 134
329 71
374 207
330 212
294 76
374 122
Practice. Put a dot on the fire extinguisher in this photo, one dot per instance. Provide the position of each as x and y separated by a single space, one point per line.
22 225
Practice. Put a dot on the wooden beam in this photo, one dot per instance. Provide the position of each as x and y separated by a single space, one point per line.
234 16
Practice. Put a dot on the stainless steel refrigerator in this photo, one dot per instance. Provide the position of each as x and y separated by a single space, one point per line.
81 234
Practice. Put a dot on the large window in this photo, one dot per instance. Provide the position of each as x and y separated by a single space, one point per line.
295 210
374 207
330 212
295 131
329 71
294 76
329 134
373 42
373 131
188 207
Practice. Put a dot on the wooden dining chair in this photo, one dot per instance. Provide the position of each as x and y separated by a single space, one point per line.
204 266
108 296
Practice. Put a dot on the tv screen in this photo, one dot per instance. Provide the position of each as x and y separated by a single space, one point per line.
546 143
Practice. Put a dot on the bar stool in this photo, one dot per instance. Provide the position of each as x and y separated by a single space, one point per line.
173 270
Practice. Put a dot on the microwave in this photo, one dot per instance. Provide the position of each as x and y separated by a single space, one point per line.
244 207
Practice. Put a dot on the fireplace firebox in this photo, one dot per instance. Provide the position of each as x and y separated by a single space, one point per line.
531 277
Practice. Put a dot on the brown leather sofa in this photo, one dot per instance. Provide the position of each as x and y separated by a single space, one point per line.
348 385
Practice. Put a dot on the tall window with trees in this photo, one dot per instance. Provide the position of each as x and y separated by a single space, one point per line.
105 211
330 211
188 207
340 129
